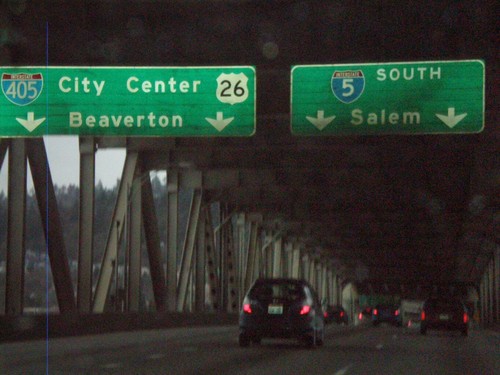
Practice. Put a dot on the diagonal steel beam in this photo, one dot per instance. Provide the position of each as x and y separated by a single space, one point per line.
188 251
152 236
4 144
116 227
51 222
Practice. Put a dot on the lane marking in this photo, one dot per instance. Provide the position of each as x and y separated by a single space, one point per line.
344 370
111 366
156 356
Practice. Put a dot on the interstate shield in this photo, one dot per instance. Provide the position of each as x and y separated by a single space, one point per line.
22 88
348 85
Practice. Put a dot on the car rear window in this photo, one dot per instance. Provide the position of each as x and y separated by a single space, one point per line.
285 291
439 304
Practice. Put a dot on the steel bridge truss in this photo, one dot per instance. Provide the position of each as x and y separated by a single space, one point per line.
216 263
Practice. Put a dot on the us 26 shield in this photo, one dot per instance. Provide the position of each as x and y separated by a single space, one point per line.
232 88
348 85
22 88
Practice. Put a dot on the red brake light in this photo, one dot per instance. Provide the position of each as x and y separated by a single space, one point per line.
375 312
341 314
360 316
305 310
396 312
247 308
466 318
325 314
422 315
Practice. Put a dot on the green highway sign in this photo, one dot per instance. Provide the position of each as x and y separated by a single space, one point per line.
388 98
128 101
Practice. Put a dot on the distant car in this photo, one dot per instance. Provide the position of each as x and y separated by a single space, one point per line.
444 313
363 316
281 308
386 314
335 313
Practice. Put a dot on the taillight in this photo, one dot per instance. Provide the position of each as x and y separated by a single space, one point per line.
360 316
396 312
325 314
305 310
247 308
341 314
375 312
466 318
422 315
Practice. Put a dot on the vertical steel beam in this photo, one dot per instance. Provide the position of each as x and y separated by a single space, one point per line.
16 228
134 242
49 213
491 294
200 270
241 225
326 288
86 224
251 256
117 223
497 283
152 236
172 225
306 267
213 278
188 250
277 257
231 267
295 270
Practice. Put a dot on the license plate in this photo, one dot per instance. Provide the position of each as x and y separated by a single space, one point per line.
444 317
275 309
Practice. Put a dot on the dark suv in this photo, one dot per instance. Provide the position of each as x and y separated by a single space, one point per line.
281 308
444 313
386 314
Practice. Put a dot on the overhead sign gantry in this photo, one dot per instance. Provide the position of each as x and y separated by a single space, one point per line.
388 98
128 101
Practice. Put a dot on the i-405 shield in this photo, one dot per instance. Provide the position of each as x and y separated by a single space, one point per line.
22 88
348 85
232 88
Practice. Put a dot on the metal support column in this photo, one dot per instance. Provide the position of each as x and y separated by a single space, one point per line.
172 225
496 260
242 254
152 236
14 295
51 221
277 257
267 255
110 255
231 266
491 294
86 224
213 278
252 264
134 242
306 267
200 263
188 250
324 282
295 269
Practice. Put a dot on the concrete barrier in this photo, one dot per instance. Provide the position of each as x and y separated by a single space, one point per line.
29 327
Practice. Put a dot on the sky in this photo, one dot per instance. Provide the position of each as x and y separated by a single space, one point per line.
64 162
